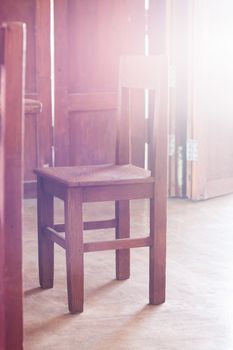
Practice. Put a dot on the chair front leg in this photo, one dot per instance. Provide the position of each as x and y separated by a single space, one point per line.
158 222
45 208
74 249
122 209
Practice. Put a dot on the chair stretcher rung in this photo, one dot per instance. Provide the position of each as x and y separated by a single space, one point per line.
90 225
55 237
123 243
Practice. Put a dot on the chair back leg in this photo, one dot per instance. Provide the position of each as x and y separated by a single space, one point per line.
45 212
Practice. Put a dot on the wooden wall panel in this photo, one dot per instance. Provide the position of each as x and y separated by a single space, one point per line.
43 79
90 36
92 138
93 69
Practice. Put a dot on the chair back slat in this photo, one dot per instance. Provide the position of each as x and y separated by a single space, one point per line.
144 72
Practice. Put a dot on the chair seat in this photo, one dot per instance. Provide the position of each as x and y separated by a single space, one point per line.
95 175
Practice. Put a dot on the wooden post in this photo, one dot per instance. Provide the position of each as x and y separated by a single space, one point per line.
44 85
61 127
46 246
11 148
158 209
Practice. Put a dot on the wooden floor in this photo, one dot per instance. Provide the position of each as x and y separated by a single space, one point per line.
198 314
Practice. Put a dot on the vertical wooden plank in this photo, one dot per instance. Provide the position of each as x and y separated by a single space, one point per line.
61 126
11 219
168 33
181 91
172 175
92 137
135 45
43 75
2 194
74 249
123 145
123 156
138 127
158 205
45 245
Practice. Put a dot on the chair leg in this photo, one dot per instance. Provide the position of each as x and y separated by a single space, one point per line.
45 245
157 253
122 231
74 249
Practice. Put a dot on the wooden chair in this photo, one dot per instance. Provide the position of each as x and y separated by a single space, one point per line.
118 182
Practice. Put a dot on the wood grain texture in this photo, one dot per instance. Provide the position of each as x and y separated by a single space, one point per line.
36 15
11 144
61 126
138 127
96 175
92 101
90 225
54 236
30 106
45 245
74 250
158 205
11 10
119 244
87 75
44 82
2 196
122 210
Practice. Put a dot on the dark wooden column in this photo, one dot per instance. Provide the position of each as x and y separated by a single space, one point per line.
11 189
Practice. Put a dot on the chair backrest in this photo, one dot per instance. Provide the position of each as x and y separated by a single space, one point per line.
144 72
